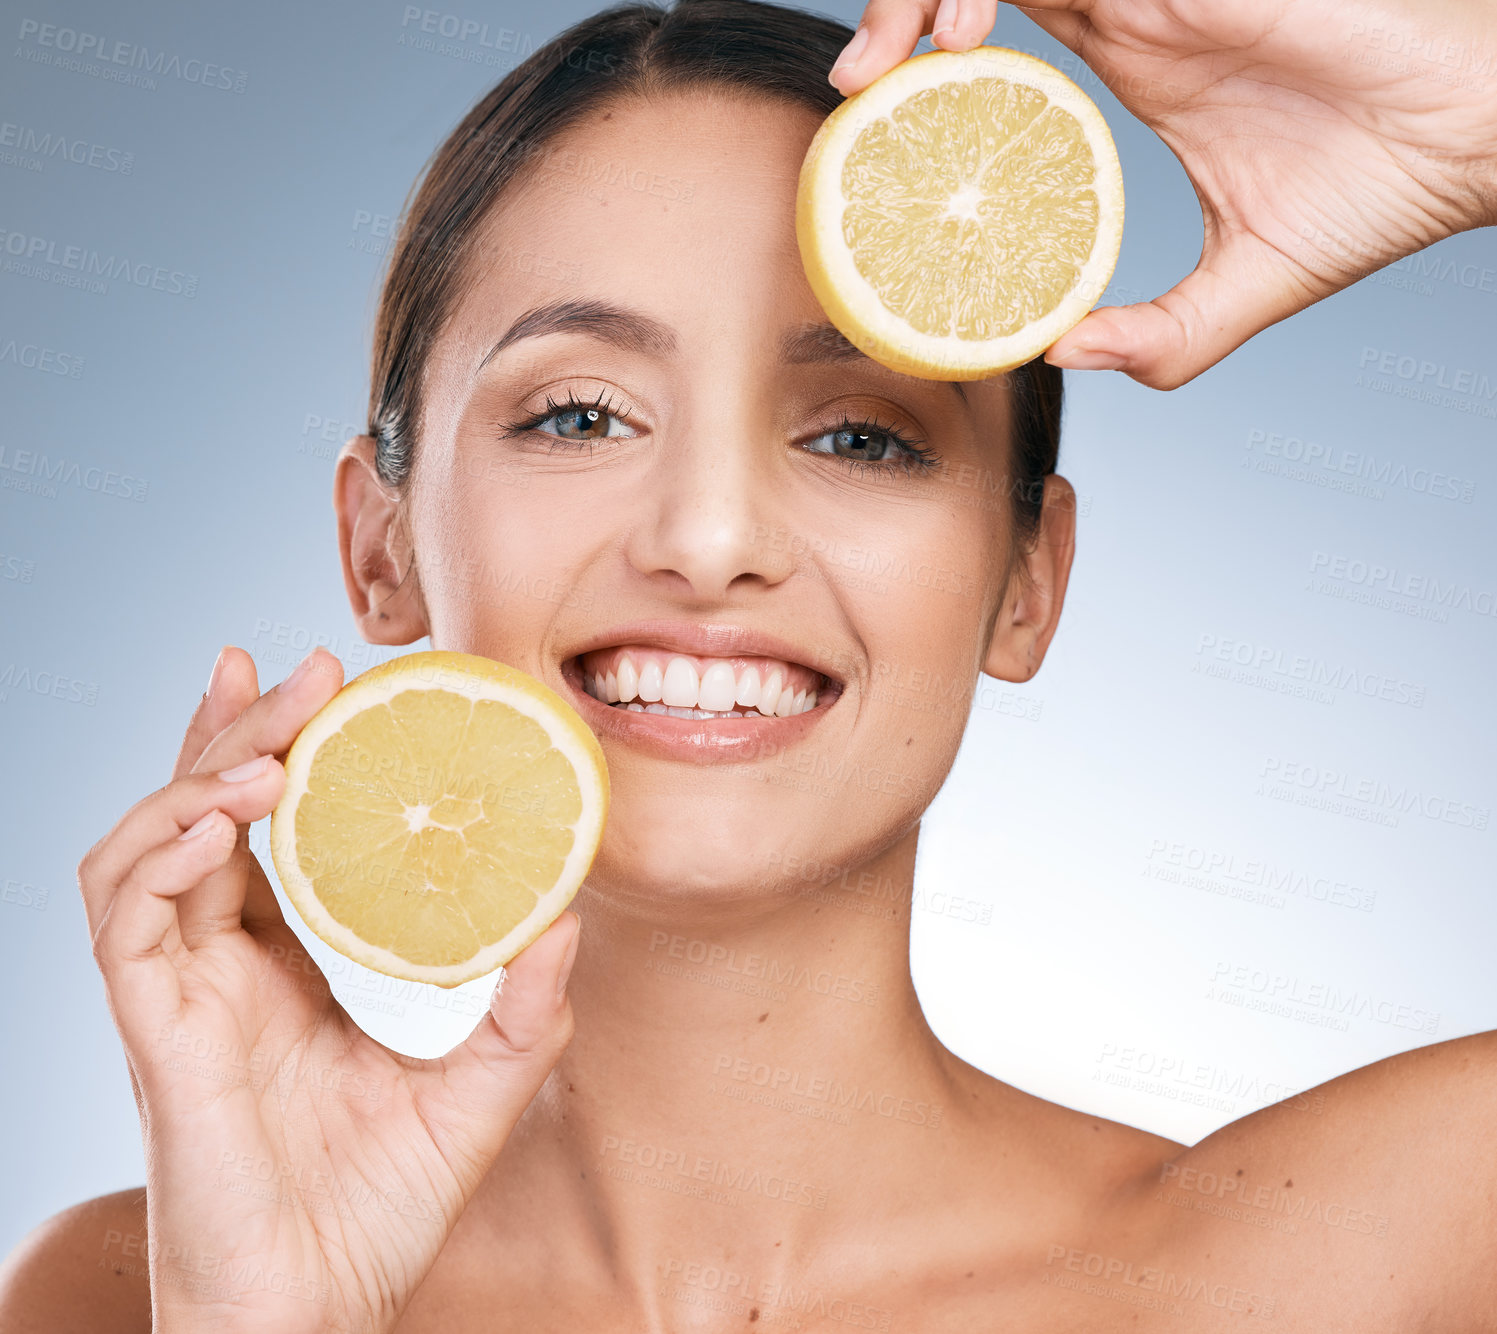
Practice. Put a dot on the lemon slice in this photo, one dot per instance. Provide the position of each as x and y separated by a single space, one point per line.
440 811
960 213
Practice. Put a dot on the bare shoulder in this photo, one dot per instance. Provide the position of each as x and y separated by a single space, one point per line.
82 1271
1388 1173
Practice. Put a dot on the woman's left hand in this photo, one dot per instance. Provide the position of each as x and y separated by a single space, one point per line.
1323 140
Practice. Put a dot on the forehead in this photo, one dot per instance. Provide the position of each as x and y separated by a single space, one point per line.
682 203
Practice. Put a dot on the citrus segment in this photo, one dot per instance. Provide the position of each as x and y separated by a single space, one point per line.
439 813
961 212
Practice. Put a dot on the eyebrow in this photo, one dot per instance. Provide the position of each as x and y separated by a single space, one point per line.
826 343
635 331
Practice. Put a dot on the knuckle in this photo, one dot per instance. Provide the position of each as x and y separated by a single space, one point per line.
87 863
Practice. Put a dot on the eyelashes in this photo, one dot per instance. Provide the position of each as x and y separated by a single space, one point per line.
590 411
910 453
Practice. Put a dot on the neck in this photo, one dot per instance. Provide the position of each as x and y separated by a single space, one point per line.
744 1078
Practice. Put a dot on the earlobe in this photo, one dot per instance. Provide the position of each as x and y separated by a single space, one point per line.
1027 619
383 590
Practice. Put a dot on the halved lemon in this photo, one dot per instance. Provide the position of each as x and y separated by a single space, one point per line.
440 811
960 213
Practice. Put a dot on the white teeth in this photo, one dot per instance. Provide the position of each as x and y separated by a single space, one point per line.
748 688
716 693
628 678
718 688
769 695
679 689
650 681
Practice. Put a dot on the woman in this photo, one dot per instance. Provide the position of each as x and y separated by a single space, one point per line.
671 438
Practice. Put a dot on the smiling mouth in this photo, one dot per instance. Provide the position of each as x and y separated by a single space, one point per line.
642 679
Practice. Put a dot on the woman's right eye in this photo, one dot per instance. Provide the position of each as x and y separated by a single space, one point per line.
578 421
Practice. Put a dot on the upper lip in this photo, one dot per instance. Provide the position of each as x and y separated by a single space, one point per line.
709 640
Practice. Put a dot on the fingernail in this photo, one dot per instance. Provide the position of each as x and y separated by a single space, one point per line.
1087 359
852 50
249 769
567 961
200 828
218 663
946 16
301 672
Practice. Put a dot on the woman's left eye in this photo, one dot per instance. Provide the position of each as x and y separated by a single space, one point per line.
869 443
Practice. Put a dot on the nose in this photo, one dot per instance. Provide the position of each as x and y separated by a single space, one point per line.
710 526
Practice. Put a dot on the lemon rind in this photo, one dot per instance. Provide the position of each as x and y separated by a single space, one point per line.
479 678
833 276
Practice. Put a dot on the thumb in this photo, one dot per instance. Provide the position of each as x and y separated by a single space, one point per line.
1237 290
473 1096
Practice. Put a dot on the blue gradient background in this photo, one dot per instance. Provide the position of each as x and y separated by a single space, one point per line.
1075 953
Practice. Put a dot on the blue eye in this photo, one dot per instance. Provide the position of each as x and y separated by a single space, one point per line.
863 444
579 421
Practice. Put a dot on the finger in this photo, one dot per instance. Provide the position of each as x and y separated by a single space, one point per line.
232 686
472 1097
137 946
887 34
959 25
1231 295
266 725
243 794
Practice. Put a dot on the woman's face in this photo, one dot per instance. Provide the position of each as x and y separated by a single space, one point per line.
715 484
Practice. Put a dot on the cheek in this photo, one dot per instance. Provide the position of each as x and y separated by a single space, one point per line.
496 562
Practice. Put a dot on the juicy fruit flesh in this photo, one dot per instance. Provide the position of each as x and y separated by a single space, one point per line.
972 210
435 861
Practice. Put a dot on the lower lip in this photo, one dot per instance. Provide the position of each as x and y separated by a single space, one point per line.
695 740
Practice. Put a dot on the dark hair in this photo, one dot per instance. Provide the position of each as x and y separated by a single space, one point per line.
626 50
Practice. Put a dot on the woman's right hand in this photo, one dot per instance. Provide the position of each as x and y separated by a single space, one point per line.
300 1176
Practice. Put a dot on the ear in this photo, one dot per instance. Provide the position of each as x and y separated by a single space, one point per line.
1036 589
383 588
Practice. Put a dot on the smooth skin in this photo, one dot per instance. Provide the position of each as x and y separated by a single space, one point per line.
516 1164
1324 140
